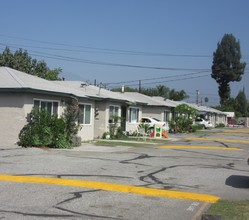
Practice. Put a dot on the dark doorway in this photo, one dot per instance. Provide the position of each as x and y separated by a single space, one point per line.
123 118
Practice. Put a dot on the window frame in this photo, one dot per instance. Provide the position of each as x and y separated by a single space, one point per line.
166 115
115 107
137 111
83 122
54 109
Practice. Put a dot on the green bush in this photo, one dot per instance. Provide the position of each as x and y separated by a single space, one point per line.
200 127
184 122
220 125
181 125
48 130
193 128
44 130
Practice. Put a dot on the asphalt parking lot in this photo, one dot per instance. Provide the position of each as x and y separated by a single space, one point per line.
174 180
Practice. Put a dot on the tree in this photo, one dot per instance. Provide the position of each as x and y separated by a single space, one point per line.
226 66
241 104
159 90
177 95
21 61
184 120
126 89
206 100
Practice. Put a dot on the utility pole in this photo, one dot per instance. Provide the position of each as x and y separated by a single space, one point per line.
139 86
197 97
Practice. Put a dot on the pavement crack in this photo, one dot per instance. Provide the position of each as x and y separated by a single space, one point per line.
222 143
150 178
76 195
140 157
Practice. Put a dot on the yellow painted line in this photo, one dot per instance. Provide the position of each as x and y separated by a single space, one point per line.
112 187
218 139
234 134
239 130
198 147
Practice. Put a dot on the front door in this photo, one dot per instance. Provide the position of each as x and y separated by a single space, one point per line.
123 118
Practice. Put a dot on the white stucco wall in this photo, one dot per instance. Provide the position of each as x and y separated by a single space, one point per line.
155 112
100 125
102 120
15 107
12 117
131 127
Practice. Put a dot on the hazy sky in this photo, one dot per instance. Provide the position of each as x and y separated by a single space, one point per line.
155 41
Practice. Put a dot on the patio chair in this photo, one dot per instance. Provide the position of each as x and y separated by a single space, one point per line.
141 133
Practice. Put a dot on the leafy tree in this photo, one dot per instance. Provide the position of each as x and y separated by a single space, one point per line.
206 99
126 89
184 121
21 61
241 104
228 105
177 95
226 66
70 117
159 90
186 110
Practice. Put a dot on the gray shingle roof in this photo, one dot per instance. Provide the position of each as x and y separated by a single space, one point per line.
14 79
11 79
146 99
95 92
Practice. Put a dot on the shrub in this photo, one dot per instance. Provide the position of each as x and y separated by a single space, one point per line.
70 117
184 122
220 125
48 130
200 126
181 124
44 130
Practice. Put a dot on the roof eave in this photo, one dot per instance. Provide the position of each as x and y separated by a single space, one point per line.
37 91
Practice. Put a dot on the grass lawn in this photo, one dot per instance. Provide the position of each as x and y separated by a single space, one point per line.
231 210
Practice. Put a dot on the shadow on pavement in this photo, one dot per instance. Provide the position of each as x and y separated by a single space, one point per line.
238 181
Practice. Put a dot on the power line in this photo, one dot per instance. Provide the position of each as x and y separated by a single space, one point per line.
73 59
107 50
157 78
185 78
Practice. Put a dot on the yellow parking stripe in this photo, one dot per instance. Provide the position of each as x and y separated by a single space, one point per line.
234 134
218 139
240 130
112 187
198 147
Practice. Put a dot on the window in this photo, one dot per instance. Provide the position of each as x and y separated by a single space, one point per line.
166 116
133 115
50 106
84 116
113 111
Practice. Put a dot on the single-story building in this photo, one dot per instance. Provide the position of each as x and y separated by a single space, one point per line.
107 105
20 92
152 107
